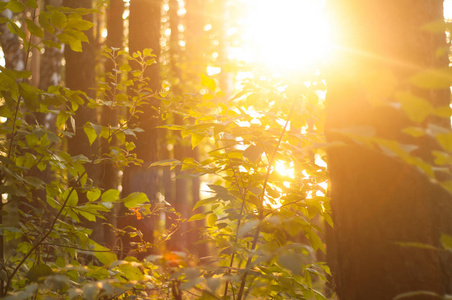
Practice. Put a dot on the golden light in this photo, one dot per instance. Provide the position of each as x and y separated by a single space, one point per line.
448 9
285 169
286 36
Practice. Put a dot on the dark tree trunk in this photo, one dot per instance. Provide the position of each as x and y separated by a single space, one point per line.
144 32
109 177
377 200
80 75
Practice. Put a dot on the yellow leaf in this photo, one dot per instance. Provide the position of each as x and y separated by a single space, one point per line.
208 82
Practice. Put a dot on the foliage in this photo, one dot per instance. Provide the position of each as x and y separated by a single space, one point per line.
262 159
266 206
255 216
54 254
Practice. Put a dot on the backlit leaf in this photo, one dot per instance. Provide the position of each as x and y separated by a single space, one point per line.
134 199
32 3
416 108
93 195
103 254
110 195
58 19
90 133
208 82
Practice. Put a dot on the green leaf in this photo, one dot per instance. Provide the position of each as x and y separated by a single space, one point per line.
93 195
79 24
221 192
77 35
58 19
315 240
34 29
38 271
111 195
44 22
15 6
103 254
52 44
32 3
204 202
211 219
32 140
200 216
130 272
76 45
30 96
165 163
73 198
16 30
87 215
42 166
134 199
90 132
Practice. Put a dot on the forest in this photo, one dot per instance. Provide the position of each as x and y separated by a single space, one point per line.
225 149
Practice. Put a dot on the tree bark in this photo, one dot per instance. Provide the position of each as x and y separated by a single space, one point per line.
377 200
144 32
109 178
80 75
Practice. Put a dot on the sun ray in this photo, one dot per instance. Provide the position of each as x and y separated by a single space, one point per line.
286 37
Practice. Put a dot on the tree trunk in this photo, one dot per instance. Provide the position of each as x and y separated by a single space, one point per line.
109 178
80 75
377 200
144 32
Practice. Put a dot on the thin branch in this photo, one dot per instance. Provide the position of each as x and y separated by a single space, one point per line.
261 203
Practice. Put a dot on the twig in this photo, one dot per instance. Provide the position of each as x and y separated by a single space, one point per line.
261 204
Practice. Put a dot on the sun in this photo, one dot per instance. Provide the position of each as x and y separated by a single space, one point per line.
286 35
